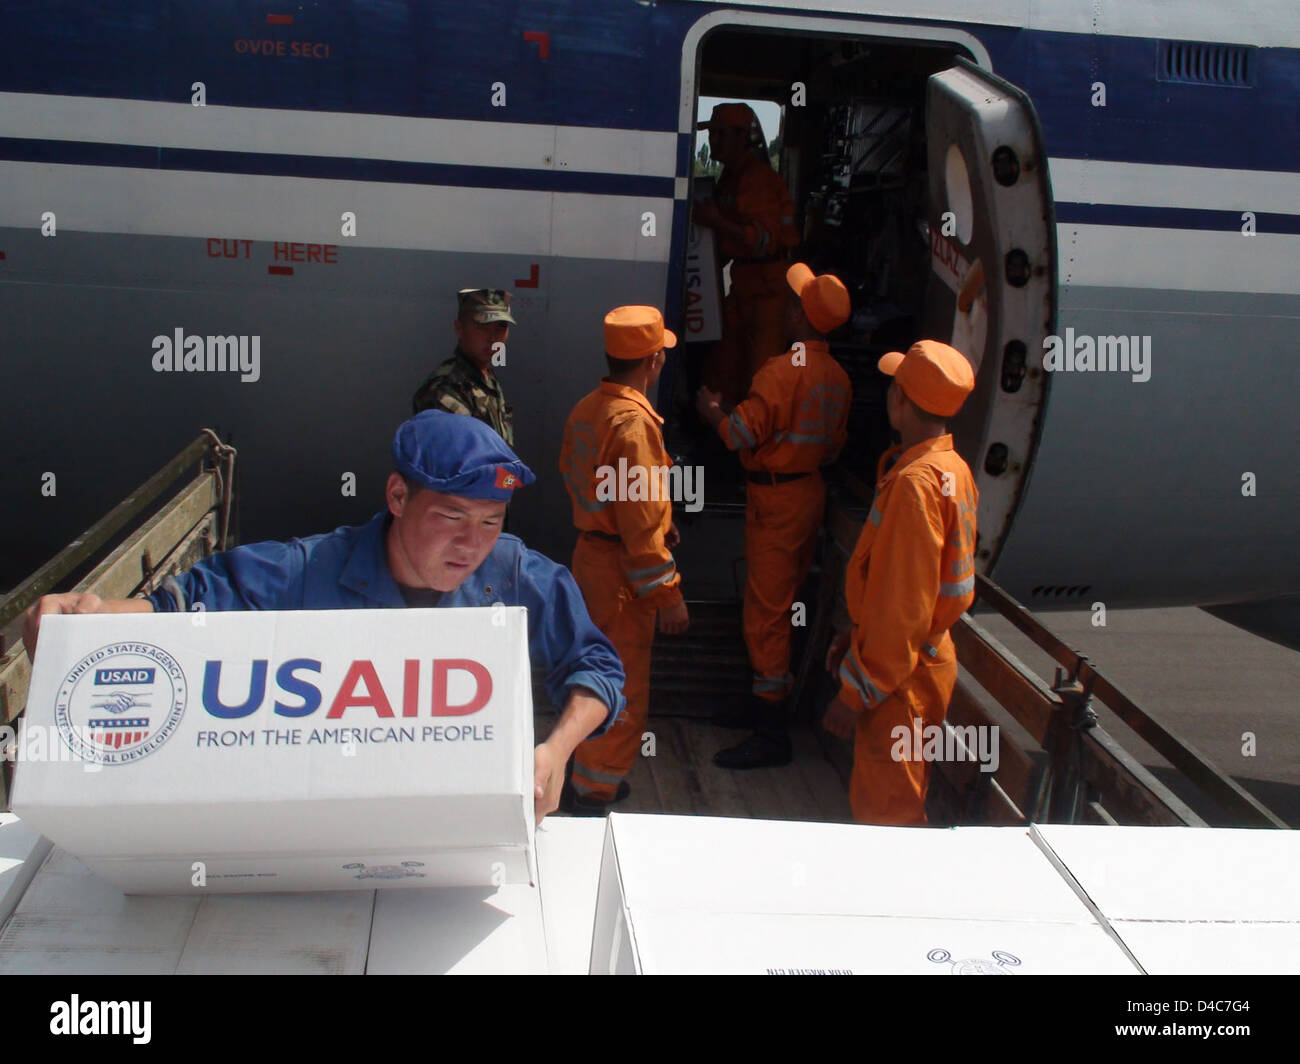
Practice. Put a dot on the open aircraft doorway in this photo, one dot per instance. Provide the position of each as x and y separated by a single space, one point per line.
900 189
852 153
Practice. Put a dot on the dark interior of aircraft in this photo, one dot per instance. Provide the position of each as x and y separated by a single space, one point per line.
853 155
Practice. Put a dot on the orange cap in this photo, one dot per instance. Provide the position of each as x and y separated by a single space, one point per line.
730 115
936 377
635 332
825 299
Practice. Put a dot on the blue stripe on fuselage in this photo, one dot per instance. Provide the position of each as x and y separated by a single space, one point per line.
1150 121
331 168
609 65
1172 218
422 58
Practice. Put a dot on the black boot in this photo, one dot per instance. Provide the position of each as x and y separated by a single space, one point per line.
760 750
767 747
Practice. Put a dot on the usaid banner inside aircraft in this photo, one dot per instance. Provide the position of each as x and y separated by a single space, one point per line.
285 751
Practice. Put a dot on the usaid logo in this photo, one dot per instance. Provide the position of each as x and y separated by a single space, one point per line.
123 676
457 687
120 703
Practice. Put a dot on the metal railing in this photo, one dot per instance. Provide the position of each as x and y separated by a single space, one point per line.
192 523
1073 769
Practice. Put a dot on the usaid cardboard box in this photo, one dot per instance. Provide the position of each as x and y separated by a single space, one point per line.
705 895
1189 900
315 750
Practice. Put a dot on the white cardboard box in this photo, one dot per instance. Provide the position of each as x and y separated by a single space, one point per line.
22 850
568 872
517 930
459 931
71 921
1189 900
256 751
702 894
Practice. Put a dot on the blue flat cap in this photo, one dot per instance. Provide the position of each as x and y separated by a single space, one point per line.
458 455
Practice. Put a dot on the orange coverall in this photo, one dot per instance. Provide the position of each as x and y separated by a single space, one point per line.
754 195
911 576
621 563
794 420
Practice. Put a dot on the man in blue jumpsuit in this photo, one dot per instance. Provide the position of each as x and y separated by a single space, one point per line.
438 543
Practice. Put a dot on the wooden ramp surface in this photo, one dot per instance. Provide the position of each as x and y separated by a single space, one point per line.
681 778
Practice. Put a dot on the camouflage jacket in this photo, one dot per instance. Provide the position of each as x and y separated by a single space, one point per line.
458 387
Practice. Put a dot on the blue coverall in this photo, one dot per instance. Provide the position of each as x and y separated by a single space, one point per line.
348 569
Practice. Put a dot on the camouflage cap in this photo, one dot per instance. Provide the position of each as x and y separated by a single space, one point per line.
486 305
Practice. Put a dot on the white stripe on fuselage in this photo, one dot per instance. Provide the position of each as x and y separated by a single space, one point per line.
571 149
330 134
1196 187
117 199
541 223
1190 260
108 199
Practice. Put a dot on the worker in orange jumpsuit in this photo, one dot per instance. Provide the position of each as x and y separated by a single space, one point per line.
753 217
911 576
615 469
793 422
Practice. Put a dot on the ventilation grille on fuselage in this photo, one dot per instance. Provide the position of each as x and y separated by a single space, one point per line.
1206 64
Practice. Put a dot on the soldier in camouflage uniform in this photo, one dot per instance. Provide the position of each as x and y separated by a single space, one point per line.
465 383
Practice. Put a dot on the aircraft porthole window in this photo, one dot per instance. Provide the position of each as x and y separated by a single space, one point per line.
1006 167
995 461
1013 365
1018 268
956 180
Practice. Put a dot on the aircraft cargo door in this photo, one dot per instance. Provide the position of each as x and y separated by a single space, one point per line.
992 286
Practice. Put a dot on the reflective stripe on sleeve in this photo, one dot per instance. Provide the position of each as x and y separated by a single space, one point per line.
875 517
763 684
641 574
645 589
849 674
741 431
958 589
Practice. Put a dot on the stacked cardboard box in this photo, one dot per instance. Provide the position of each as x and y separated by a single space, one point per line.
326 750
1189 900
701 894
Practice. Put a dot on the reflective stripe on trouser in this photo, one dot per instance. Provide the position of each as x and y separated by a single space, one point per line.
753 328
883 790
599 764
781 523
